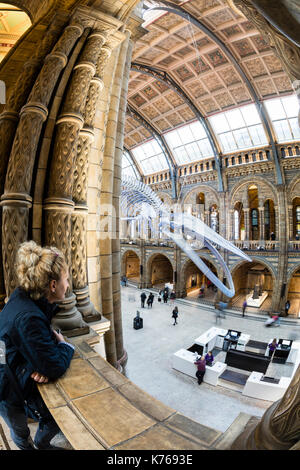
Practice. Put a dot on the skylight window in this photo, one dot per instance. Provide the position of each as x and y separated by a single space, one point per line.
189 143
239 129
284 115
128 167
150 157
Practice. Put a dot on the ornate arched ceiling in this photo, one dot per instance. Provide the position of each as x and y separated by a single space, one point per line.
13 23
200 67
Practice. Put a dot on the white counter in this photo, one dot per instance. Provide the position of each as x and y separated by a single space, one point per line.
242 341
209 339
265 390
293 354
183 361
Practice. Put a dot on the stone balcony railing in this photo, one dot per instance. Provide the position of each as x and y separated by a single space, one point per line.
255 245
294 246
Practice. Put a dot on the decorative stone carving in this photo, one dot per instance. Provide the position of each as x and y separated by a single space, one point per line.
287 52
33 114
85 139
68 180
279 426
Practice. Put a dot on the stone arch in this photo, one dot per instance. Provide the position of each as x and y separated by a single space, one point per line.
184 266
293 189
35 8
293 291
167 200
149 262
236 193
124 270
211 196
241 290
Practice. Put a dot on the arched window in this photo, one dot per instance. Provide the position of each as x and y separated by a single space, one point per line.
254 224
298 220
236 225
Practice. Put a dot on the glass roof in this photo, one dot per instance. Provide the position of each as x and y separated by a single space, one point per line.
150 157
284 115
239 129
189 143
128 167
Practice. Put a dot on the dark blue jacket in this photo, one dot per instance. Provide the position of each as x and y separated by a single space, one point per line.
30 345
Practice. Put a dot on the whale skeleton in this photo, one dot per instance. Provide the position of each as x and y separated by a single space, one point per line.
139 202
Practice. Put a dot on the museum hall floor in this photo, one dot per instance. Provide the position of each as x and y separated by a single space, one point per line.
150 354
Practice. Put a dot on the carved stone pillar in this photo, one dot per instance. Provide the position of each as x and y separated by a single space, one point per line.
122 79
279 426
16 200
247 225
232 225
59 205
261 218
290 222
79 216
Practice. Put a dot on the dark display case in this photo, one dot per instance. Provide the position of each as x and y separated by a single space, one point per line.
247 360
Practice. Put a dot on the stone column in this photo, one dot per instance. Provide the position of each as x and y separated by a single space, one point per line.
59 205
121 88
80 187
279 426
290 222
106 207
231 227
261 218
247 225
16 200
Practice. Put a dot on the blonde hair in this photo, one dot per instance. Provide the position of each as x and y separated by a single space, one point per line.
36 266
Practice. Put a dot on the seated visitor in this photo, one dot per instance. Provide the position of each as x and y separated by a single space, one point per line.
209 358
272 346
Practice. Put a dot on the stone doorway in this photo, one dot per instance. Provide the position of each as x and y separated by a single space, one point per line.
250 277
294 295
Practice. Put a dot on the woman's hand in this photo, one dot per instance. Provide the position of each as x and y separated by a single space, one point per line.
59 337
41 379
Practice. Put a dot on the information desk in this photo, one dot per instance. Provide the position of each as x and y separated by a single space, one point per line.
183 361
255 388
286 349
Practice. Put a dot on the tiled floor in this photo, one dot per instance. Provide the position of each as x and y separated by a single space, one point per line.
150 351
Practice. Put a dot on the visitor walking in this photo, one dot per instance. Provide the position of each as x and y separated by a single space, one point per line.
201 366
143 298
165 297
244 307
150 300
172 297
35 353
287 307
175 315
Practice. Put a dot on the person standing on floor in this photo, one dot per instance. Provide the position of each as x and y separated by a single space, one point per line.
201 366
150 300
165 297
287 307
244 307
143 298
172 297
175 315
35 352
